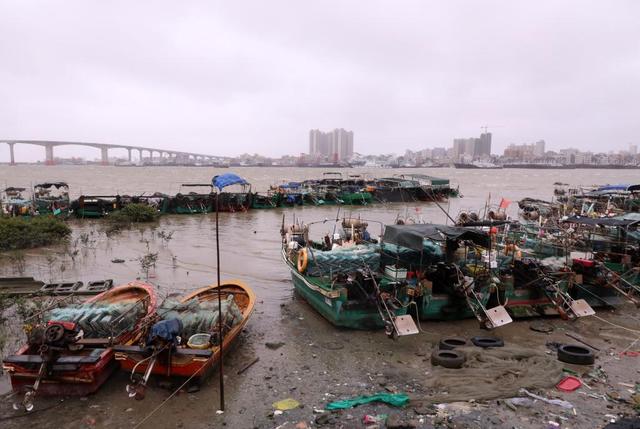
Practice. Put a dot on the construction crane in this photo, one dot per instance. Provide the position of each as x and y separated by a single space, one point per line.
486 127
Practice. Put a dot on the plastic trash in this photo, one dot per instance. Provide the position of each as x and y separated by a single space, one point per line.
368 419
521 402
286 404
569 384
394 399
558 402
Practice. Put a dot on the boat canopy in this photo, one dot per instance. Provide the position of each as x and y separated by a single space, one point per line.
48 185
290 185
14 189
613 189
435 181
413 236
227 179
603 221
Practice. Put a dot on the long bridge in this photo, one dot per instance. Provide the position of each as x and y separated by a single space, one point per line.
104 149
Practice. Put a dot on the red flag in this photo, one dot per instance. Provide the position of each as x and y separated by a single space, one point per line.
504 203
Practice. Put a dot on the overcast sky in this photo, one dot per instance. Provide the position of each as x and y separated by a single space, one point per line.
227 77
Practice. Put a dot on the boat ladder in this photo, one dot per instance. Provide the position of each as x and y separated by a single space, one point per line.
567 307
395 326
631 288
489 317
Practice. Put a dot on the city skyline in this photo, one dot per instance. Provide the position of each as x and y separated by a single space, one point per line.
213 79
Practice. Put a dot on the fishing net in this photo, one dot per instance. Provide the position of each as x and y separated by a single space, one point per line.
200 317
493 373
343 260
393 254
100 320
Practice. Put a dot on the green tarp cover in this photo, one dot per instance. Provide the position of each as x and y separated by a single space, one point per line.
413 236
395 399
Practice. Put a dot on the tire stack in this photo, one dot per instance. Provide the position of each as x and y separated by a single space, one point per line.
448 357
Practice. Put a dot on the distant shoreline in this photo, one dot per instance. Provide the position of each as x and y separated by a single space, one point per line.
509 166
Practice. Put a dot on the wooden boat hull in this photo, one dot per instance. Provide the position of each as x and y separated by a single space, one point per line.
81 372
183 362
72 375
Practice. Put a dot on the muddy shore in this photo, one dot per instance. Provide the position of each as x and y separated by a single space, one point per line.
316 365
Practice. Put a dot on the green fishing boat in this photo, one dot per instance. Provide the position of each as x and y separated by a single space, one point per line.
270 200
52 198
339 277
188 201
445 269
95 206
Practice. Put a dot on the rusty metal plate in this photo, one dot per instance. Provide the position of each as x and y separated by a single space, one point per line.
581 308
405 325
498 316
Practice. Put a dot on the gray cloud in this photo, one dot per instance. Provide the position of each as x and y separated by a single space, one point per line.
233 77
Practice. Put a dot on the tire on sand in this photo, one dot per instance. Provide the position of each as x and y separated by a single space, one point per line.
450 343
485 342
577 355
448 358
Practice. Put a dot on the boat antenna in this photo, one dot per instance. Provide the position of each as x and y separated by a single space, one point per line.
337 219
435 200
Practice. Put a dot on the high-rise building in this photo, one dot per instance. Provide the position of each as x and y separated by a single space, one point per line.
463 147
473 147
539 151
336 145
483 146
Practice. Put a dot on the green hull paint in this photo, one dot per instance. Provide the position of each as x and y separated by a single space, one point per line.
334 309
356 198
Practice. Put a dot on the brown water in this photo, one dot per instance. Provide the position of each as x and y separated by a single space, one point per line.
250 245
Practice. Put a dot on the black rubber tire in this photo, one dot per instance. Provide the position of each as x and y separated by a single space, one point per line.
485 342
448 358
450 343
577 355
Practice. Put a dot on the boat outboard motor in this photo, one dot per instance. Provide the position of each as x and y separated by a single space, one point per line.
50 341
164 335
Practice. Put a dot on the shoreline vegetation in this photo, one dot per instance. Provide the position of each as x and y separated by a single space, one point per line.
18 233
134 213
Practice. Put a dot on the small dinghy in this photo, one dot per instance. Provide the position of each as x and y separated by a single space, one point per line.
184 343
71 353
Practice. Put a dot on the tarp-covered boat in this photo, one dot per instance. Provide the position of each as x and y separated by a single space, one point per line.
194 319
71 353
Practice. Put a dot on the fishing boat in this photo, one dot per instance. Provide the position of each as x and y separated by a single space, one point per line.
268 200
14 203
291 193
194 319
52 198
188 201
432 188
206 202
158 201
70 352
485 165
395 190
339 276
445 268
95 206
353 191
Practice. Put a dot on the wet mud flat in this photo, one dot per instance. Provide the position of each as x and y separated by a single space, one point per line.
302 357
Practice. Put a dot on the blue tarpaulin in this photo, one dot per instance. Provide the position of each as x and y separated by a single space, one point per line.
616 187
227 179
